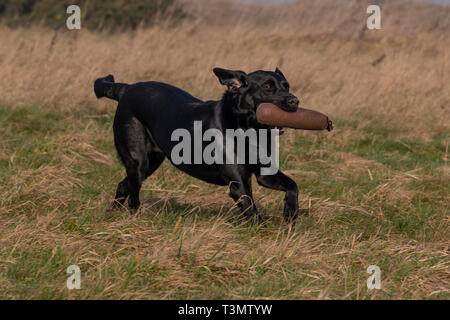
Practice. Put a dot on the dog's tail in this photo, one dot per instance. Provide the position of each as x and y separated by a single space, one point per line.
106 87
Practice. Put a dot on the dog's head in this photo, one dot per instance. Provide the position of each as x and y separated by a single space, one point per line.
248 91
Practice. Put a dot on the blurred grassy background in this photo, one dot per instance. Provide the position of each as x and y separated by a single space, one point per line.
376 190
97 15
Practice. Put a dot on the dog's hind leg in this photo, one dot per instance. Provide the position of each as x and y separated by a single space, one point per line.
133 146
122 193
155 158
123 189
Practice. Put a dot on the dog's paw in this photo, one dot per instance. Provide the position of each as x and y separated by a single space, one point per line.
290 211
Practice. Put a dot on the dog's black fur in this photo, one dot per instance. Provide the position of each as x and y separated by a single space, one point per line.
148 113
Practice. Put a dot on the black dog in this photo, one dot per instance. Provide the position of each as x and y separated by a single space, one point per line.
148 113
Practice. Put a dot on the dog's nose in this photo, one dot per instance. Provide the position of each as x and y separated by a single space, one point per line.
293 102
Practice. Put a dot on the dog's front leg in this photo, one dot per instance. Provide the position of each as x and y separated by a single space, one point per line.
280 181
241 192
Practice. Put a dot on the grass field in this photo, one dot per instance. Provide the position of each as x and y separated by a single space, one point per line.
375 191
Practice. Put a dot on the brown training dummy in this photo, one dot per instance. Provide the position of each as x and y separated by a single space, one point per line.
270 114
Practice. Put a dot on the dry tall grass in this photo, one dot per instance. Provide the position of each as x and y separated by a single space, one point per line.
322 47
60 175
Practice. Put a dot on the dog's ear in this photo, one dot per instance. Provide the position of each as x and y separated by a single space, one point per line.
278 72
231 78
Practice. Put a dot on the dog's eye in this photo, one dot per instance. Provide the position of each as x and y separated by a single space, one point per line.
268 87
